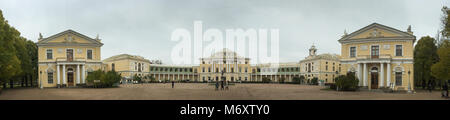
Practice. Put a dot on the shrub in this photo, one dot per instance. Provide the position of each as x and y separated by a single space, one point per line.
137 78
265 80
315 81
346 82
107 79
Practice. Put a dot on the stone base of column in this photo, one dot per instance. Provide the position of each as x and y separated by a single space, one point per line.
64 85
58 85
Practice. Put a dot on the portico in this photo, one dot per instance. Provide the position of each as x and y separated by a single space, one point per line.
73 74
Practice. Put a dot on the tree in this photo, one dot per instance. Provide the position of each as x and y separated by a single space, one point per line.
32 50
424 56
9 63
346 82
441 70
25 61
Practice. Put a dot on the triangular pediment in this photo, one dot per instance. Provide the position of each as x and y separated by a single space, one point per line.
376 30
69 37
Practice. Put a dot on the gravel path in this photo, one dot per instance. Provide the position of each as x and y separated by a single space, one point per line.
201 91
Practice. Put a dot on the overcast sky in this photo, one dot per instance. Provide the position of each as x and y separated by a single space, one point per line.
144 27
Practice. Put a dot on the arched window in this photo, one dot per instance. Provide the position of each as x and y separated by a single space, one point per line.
113 67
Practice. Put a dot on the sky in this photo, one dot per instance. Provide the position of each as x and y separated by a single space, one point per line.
144 27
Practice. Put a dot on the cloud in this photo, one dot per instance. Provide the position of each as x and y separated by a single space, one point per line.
144 27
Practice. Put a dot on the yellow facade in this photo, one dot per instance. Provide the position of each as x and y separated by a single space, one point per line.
380 56
324 67
128 65
66 58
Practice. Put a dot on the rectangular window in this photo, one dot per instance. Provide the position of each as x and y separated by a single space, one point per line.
89 54
50 77
398 50
398 78
352 51
375 51
49 54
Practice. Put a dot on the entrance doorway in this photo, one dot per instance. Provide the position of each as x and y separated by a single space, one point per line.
374 78
70 77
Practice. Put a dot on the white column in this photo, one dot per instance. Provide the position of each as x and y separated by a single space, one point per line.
365 75
382 75
58 75
389 74
78 74
83 74
359 74
64 74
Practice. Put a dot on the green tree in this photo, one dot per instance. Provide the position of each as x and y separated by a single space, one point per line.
32 50
346 82
9 63
441 70
25 61
424 56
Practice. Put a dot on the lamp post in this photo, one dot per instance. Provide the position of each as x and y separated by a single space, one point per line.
409 81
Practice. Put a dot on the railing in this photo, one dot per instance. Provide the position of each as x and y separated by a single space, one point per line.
381 56
63 59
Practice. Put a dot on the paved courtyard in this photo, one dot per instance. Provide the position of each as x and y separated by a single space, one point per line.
201 91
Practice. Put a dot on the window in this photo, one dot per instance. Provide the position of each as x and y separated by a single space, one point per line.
50 77
398 78
352 51
326 67
375 51
89 54
398 50
49 54
113 67
246 70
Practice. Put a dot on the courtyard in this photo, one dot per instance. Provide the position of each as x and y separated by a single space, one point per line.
202 91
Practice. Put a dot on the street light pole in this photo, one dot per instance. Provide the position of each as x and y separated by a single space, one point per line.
40 81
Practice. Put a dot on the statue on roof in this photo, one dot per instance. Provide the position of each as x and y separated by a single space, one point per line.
40 36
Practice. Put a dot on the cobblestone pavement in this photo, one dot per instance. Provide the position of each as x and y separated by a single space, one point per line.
202 91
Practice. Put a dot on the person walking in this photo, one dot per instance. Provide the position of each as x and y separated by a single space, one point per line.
221 85
217 86
430 86
173 84
445 90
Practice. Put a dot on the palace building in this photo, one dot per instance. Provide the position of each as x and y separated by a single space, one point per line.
66 58
324 67
128 65
380 56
